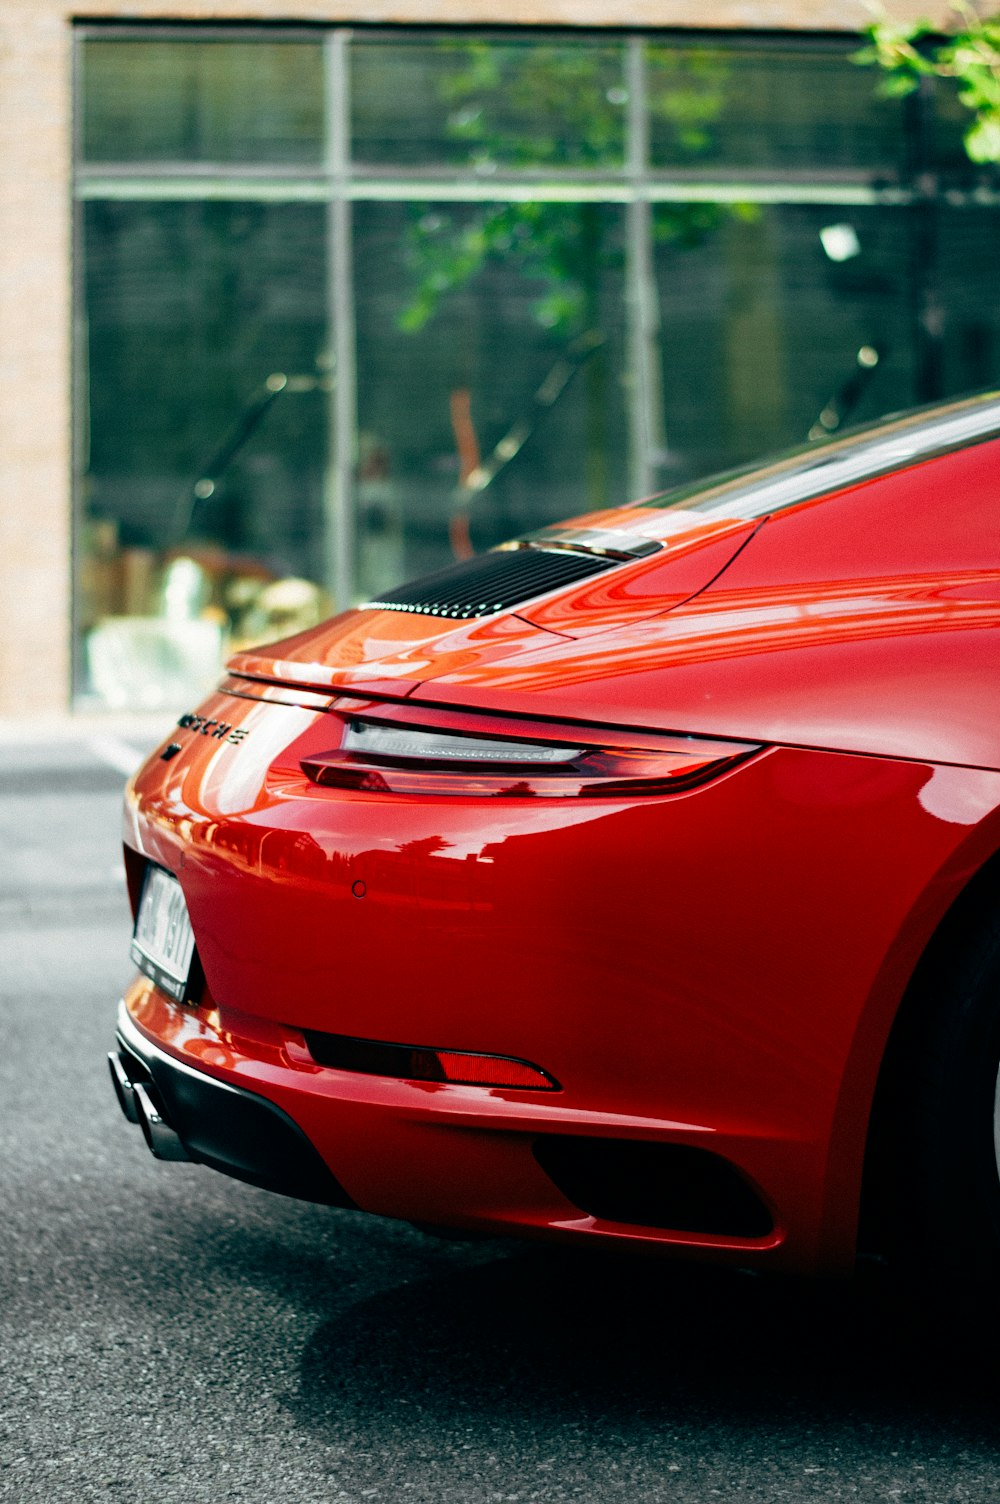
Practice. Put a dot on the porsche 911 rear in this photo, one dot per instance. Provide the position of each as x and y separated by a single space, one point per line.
580 901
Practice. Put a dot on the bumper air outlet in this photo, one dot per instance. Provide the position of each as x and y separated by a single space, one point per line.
666 1186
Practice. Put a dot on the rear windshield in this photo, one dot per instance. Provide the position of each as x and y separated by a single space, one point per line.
831 464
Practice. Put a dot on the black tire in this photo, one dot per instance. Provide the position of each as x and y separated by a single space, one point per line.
934 1188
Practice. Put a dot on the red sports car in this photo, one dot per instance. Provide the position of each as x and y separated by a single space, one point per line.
635 881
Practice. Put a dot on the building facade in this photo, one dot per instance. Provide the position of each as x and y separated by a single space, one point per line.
299 300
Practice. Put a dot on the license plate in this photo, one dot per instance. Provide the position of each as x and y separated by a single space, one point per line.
163 943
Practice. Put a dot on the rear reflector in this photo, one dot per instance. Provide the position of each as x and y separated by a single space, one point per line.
491 1070
372 1057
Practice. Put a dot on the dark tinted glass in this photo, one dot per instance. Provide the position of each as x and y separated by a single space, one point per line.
195 314
456 352
202 101
192 308
485 104
768 110
761 329
965 286
947 126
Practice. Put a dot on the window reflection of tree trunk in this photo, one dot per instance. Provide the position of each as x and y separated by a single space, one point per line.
755 378
595 372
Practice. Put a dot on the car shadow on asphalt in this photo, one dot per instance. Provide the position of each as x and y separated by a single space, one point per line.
602 1338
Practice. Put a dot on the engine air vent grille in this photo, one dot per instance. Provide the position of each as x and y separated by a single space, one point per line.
491 582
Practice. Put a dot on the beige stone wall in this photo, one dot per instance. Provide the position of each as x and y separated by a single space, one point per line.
36 275
35 303
826 15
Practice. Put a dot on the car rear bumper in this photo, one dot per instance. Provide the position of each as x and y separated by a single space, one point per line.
245 1098
220 1124
678 965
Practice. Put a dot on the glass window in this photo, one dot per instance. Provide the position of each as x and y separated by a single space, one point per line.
467 343
762 331
765 109
961 284
202 101
467 101
946 127
207 378
496 364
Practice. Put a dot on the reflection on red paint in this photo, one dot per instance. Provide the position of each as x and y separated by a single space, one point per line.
720 964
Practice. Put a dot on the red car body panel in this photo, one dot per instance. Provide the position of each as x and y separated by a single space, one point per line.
865 621
691 560
386 652
718 967
843 623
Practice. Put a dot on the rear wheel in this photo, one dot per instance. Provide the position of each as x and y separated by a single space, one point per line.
937 1121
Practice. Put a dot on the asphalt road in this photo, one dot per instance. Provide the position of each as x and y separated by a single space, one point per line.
169 1335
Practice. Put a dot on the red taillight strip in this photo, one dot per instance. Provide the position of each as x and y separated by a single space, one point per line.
606 764
471 784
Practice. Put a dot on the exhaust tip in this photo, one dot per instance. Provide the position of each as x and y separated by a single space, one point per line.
161 1140
124 1090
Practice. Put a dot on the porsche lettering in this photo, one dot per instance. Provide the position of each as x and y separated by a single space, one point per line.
221 731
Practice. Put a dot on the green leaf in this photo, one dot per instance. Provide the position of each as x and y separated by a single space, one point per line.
897 86
970 57
982 140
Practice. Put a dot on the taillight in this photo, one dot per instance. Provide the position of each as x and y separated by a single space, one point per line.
477 755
